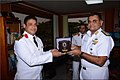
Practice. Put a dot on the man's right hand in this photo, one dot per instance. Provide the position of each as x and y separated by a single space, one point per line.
75 50
56 53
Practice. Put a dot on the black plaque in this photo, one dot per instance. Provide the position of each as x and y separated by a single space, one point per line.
64 44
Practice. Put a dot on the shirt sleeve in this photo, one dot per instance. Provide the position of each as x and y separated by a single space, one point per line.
105 46
74 41
23 52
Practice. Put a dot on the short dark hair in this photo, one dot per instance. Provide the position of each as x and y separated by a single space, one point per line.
28 18
95 13
82 24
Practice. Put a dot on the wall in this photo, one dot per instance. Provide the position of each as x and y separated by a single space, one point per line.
65 26
22 16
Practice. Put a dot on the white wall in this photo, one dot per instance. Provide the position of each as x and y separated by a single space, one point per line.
77 19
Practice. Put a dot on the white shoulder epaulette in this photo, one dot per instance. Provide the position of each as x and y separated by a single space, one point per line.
107 34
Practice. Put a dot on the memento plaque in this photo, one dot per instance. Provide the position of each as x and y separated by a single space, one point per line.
64 44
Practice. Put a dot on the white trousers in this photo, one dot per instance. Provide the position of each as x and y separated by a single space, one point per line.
75 70
101 73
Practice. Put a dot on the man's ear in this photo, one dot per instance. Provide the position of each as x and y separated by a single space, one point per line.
101 22
24 25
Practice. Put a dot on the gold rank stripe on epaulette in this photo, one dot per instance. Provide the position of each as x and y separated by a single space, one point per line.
107 34
96 32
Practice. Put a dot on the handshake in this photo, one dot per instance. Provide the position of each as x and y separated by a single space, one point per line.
75 50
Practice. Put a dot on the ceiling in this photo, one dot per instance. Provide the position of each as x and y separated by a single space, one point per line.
70 7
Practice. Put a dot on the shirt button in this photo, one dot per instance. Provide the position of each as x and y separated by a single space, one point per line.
91 49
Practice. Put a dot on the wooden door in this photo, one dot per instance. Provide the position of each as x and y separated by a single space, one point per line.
3 51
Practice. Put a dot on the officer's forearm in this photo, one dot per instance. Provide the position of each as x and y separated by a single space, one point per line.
98 60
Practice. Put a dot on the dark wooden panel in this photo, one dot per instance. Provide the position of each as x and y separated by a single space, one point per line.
109 20
27 10
3 47
60 25
5 7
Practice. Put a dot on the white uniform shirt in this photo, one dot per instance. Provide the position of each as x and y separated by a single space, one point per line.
30 57
98 44
77 39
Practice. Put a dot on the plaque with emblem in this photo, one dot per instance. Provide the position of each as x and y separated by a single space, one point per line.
64 44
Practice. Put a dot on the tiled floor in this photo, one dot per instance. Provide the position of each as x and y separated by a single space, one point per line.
62 71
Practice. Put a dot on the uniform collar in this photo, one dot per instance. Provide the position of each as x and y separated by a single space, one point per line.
81 33
96 33
29 35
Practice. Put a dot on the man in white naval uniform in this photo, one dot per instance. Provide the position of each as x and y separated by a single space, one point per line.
29 52
77 41
95 50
